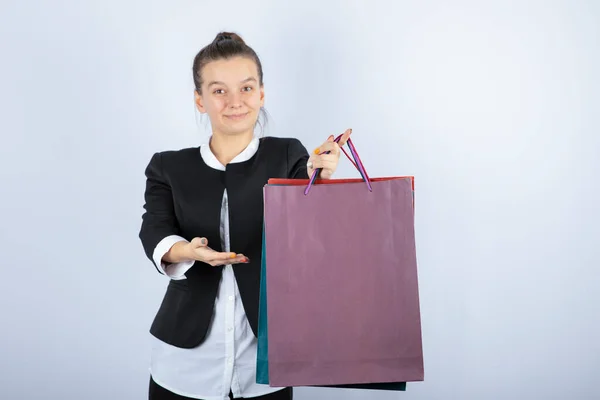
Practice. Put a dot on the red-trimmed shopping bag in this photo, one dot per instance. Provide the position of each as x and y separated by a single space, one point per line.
341 282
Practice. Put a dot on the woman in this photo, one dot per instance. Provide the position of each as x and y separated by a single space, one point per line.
202 227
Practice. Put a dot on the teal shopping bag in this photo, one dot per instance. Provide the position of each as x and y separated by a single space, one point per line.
262 356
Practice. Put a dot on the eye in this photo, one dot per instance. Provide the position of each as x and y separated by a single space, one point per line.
248 89
218 91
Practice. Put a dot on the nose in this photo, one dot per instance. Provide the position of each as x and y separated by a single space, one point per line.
235 100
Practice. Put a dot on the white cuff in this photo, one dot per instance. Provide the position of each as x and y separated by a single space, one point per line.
175 271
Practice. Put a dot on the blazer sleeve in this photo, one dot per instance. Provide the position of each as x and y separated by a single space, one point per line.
297 159
159 223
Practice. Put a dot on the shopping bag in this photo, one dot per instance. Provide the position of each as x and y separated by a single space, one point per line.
262 352
262 364
341 289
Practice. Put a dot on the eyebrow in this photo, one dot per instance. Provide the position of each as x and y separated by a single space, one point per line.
221 83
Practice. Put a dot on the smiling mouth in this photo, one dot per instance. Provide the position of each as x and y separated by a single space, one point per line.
236 116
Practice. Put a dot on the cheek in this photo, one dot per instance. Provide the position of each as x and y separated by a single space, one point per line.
215 106
254 100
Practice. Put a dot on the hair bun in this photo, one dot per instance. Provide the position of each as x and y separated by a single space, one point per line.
222 36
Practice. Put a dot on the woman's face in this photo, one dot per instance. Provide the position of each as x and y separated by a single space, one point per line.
231 95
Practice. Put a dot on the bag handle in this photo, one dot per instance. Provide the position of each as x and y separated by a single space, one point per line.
357 164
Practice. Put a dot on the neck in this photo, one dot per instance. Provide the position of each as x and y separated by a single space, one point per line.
227 147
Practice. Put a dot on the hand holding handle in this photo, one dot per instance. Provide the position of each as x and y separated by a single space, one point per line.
357 163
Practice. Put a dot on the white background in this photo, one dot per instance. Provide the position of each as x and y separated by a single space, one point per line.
492 105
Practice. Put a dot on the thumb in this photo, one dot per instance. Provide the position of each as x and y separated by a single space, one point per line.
330 138
199 242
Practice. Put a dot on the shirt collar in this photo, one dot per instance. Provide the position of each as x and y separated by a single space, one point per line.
210 159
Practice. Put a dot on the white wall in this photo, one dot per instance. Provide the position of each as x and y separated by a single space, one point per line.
493 106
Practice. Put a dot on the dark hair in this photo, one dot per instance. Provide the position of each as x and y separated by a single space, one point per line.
225 45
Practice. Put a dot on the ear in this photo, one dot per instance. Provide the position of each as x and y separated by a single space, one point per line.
262 96
199 102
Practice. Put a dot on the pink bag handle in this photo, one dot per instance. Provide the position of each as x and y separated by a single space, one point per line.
358 164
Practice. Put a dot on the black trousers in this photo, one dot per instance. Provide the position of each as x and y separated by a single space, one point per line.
157 392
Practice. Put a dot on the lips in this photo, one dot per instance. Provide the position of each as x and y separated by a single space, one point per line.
236 117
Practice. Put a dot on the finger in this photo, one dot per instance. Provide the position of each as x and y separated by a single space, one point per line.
345 137
316 162
199 242
321 148
325 161
332 147
217 258
209 255
329 160
227 256
238 259
326 174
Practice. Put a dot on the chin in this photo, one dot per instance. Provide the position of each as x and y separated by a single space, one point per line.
235 130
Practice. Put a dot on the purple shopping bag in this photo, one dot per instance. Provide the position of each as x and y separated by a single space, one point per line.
342 289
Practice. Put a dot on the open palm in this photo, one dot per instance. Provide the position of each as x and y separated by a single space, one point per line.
201 252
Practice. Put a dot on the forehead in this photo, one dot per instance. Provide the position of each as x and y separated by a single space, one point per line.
229 71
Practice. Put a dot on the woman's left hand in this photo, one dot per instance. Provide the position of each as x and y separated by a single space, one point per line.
328 162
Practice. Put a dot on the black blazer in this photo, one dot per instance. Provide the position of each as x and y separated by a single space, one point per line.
183 197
